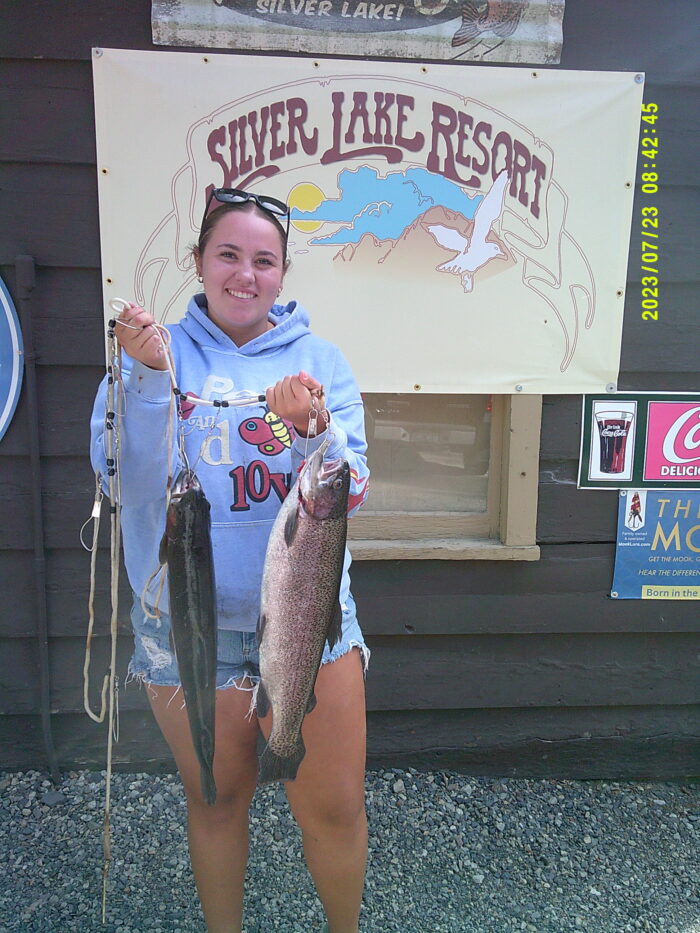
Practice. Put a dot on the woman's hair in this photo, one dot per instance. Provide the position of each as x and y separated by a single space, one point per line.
215 215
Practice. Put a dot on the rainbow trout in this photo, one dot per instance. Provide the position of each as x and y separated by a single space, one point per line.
300 606
186 548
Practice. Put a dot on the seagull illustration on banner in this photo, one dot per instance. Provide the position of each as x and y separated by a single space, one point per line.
475 252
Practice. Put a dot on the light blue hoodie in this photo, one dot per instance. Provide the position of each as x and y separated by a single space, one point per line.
245 462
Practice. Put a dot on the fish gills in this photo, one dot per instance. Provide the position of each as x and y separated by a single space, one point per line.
300 607
188 551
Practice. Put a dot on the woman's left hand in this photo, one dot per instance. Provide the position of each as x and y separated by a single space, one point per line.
293 397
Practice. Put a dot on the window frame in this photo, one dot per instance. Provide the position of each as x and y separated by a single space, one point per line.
505 531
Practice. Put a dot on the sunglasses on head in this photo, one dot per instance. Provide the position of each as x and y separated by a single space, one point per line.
238 196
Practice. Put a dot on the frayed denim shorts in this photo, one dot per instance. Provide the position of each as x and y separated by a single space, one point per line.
154 660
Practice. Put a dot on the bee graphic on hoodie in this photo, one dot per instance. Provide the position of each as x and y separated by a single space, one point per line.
270 434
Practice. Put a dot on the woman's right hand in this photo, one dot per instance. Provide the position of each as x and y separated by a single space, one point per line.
140 339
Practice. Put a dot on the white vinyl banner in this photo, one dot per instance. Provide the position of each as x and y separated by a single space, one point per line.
453 229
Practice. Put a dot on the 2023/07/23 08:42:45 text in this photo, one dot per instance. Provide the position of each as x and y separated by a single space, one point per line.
649 151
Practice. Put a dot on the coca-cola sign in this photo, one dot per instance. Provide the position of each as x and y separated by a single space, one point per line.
641 439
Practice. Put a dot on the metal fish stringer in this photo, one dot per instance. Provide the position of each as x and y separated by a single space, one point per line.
312 428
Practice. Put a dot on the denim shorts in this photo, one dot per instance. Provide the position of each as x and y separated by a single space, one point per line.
154 661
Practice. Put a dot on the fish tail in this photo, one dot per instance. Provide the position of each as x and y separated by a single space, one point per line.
274 767
466 32
208 784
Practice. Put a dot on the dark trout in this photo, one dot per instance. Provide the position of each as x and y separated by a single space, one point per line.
300 606
186 549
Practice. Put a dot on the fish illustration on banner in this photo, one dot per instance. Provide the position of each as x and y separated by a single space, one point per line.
479 19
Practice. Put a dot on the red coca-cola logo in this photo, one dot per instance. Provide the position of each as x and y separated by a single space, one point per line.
683 437
673 441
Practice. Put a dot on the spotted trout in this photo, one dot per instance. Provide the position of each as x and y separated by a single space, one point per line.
300 606
187 550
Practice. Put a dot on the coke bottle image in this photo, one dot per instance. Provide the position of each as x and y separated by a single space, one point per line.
613 429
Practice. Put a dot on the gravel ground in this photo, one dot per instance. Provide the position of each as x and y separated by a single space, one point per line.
448 854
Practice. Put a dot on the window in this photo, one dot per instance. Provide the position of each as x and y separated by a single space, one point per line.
453 476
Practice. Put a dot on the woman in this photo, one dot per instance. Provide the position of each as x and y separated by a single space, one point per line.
235 338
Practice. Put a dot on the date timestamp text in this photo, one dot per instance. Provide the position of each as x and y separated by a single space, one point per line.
649 150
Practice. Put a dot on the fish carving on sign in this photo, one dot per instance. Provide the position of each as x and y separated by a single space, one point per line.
499 17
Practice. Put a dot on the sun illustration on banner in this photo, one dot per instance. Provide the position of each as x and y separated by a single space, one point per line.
305 197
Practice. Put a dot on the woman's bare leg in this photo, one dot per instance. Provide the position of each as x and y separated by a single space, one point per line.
218 835
328 796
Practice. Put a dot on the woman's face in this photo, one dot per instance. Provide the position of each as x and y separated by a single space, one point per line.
242 267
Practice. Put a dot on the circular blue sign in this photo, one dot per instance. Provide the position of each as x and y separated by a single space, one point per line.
11 359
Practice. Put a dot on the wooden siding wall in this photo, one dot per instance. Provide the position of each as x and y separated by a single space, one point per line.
500 668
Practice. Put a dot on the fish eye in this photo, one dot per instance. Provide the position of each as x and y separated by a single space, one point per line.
337 483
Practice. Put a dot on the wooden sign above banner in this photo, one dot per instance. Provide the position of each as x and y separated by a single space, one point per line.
519 31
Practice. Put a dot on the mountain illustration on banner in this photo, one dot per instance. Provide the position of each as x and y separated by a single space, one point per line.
377 215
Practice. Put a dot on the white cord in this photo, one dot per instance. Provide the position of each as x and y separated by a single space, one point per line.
241 398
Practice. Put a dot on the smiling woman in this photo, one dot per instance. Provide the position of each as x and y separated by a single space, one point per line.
235 336
242 268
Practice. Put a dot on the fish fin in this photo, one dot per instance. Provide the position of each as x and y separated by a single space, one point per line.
208 786
290 527
262 703
260 628
163 550
312 703
275 768
335 628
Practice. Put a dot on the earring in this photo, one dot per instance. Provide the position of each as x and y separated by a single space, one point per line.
199 278
279 291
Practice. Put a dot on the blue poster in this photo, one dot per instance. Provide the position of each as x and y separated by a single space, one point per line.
658 545
11 359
